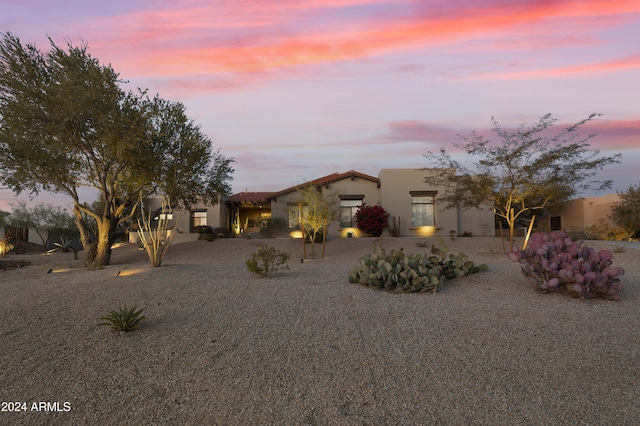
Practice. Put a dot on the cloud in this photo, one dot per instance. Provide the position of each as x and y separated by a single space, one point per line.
615 134
615 65
416 131
255 37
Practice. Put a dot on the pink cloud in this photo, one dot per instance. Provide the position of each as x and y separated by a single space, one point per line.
614 65
259 36
615 135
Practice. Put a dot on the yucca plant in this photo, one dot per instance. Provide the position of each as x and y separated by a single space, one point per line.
123 319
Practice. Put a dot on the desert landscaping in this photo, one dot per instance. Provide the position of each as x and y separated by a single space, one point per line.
222 346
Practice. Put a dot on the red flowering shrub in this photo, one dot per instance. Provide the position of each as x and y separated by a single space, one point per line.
371 219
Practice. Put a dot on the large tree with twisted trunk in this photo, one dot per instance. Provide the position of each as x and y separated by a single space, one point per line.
66 123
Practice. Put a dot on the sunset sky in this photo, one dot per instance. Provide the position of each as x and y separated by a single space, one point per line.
295 90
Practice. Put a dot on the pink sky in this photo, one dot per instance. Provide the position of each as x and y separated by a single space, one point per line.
295 90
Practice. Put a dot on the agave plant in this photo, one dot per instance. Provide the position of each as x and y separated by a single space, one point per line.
64 245
123 319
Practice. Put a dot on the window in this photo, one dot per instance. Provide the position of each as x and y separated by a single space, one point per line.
198 218
422 203
349 205
294 215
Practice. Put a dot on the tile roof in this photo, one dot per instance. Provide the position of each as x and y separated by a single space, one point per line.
325 180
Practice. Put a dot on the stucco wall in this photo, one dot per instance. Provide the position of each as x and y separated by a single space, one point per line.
587 211
395 197
216 215
396 187
480 222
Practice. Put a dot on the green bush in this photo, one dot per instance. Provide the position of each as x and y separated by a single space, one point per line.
411 273
206 237
203 229
267 260
123 319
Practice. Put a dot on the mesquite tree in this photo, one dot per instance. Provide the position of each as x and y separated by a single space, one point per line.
65 123
528 169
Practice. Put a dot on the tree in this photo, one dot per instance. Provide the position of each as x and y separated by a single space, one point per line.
66 123
626 212
318 209
530 169
44 219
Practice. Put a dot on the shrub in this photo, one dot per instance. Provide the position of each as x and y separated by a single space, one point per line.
603 231
221 232
203 229
554 262
206 237
123 319
267 260
371 219
411 273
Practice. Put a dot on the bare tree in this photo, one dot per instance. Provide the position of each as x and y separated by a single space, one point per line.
318 208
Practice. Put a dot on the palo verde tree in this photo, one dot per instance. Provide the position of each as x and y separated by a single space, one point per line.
626 212
318 208
66 123
528 169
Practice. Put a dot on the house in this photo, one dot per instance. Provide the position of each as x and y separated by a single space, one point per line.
581 212
183 224
403 193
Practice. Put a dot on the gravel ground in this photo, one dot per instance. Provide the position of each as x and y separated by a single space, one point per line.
221 346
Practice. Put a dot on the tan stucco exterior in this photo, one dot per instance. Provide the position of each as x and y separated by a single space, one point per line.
181 222
582 212
396 188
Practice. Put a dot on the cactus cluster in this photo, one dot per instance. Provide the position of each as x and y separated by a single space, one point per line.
400 272
554 262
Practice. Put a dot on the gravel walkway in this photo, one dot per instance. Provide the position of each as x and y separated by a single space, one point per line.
222 346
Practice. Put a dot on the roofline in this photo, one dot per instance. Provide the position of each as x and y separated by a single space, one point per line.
325 180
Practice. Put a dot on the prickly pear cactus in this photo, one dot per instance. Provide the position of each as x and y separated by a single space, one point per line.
554 262
400 272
